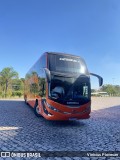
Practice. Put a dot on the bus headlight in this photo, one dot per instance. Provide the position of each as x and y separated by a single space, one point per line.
52 108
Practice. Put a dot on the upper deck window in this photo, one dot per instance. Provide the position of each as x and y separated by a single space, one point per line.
68 64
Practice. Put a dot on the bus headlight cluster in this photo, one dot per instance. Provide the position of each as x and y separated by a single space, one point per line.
52 108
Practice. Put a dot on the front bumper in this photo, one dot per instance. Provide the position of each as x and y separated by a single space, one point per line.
62 112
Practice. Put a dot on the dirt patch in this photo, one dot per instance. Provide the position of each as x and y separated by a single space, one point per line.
104 102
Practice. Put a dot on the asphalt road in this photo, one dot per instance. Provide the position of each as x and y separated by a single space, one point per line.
21 130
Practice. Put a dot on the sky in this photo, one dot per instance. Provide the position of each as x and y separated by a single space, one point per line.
88 28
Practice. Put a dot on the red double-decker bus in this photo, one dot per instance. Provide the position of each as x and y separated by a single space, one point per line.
58 87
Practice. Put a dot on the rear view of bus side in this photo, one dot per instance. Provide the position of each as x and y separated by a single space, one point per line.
58 87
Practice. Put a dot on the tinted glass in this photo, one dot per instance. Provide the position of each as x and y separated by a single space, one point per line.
63 63
70 90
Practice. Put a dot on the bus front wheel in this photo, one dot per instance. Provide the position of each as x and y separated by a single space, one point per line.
36 110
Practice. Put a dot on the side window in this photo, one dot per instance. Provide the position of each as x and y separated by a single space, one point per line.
34 83
42 84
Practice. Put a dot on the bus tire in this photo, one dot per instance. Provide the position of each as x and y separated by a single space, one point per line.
36 110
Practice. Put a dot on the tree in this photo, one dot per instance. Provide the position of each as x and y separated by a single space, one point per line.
6 76
113 90
17 86
93 90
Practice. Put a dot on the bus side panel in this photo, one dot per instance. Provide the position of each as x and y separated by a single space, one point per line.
35 83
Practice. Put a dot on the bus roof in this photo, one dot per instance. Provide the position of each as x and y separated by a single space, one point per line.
59 53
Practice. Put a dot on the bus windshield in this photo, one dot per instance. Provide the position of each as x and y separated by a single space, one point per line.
70 90
66 64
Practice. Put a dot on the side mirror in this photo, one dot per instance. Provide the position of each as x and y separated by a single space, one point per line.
99 78
48 75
